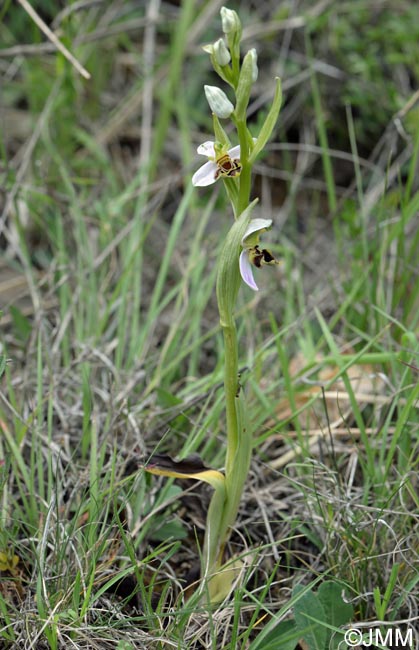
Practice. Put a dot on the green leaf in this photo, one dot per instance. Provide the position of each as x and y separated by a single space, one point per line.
284 635
220 135
22 325
269 124
190 467
3 362
170 530
124 645
166 399
337 612
309 615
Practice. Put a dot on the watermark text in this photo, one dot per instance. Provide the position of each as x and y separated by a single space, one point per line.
391 637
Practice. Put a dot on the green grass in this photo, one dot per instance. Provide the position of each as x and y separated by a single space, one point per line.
113 350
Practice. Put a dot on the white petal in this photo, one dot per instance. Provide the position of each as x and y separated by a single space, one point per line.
205 175
207 149
254 226
234 152
246 271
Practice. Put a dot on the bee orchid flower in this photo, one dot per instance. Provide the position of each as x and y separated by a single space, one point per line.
251 254
221 162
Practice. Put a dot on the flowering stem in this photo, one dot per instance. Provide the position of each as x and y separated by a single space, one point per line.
238 433
239 252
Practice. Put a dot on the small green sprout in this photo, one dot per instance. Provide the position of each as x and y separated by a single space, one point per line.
8 561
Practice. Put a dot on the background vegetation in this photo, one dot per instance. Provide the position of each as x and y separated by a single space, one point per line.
111 348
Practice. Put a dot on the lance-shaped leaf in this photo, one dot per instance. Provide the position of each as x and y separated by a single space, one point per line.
220 135
190 467
193 468
269 124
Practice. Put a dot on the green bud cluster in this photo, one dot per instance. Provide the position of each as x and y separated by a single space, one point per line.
241 75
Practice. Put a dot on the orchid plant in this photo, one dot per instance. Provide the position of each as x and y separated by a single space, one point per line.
241 253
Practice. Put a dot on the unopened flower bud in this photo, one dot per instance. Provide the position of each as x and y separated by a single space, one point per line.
252 54
230 20
218 101
248 75
221 53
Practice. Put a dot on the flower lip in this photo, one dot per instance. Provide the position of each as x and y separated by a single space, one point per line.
207 173
246 270
251 254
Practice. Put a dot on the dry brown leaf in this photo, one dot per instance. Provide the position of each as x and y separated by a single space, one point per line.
332 410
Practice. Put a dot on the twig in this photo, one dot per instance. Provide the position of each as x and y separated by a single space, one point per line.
314 436
52 37
125 27
80 5
147 95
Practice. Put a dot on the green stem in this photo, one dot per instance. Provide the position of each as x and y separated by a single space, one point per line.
231 387
238 448
212 532
244 192
246 172
223 508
